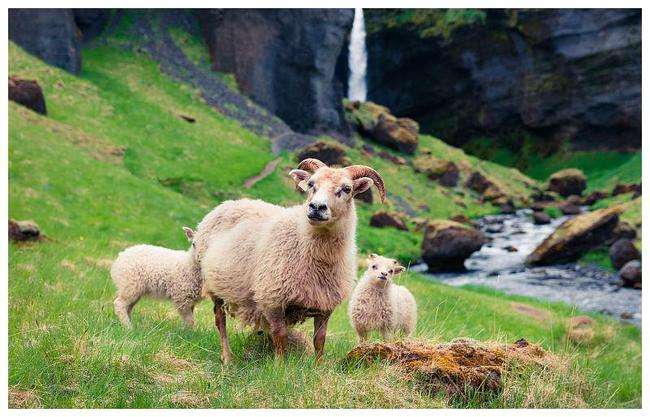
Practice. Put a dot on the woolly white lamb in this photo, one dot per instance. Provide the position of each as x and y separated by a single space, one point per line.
379 304
272 267
146 270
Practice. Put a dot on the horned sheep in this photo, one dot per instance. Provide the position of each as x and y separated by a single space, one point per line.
273 266
146 270
377 304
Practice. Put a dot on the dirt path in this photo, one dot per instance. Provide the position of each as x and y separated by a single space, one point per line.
268 170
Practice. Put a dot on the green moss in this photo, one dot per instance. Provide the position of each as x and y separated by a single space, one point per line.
553 212
429 22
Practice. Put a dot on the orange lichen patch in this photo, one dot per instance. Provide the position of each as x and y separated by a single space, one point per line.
536 313
580 329
455 366
23 399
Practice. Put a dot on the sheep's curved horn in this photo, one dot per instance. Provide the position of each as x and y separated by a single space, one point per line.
311 164
359 171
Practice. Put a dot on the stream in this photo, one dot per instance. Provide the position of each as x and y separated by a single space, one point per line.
588 288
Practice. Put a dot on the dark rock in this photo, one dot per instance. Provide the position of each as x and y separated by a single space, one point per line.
23 230
537 207
623 251
50 34
478 182
568 182
367 150
594 197
188 119
397 160
573 74
507 208
510 248
91 22
539 217
575 237
623 230
284 59
385 219
541 196
330 153
447 245
494 228
376 122
630 274
27 93
569 209
626 188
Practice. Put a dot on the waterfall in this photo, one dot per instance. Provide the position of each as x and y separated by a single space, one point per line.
357 58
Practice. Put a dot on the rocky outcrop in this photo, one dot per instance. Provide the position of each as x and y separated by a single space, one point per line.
386 219
329 152
23 230
552 74
626 188
27 93
594 197
91 22
622 252
284 59
50 34
568 182
447 244
376 122
575 237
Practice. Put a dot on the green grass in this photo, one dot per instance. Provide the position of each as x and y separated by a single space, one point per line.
66 348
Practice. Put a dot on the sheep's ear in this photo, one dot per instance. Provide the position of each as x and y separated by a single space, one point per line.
398 270
362 184
300 177
189 233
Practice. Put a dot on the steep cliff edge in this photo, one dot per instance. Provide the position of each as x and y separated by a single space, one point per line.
553 75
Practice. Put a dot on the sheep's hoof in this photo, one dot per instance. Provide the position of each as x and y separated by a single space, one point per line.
226 359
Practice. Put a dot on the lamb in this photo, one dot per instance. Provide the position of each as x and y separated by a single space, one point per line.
272 267
146 270
379 304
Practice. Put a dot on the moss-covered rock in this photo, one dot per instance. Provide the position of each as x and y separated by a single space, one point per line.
445 172
447 244
568 182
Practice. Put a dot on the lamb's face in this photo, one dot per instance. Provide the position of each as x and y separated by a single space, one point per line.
381 270
189 234
330 191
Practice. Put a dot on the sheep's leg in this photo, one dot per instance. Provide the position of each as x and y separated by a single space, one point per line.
123 311
278 327
187 314
220 323
363 334
320 331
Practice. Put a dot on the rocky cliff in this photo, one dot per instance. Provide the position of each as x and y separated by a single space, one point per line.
552 75
285 60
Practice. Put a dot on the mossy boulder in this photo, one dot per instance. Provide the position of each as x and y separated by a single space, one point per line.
25 230
568 182
445 172
447 244
27 93
386 219
575 237
376 122
329 152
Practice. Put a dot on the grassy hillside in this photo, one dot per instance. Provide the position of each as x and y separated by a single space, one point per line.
113 164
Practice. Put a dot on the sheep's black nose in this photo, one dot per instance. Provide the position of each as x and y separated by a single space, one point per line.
383 274
317 207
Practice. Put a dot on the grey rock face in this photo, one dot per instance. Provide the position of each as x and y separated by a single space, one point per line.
284 60
552 74
50 34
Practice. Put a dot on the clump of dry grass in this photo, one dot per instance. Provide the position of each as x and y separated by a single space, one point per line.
454 367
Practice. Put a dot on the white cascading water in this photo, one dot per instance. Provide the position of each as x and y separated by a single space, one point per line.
357 58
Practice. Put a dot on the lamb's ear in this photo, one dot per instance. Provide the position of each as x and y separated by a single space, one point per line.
189 233
362 184
300 177
398 270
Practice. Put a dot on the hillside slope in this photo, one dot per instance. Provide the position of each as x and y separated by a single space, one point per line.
113 164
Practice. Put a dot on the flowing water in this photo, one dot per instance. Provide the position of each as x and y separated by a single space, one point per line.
357 58
500 266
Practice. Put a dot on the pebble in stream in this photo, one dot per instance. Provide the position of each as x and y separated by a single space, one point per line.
496 265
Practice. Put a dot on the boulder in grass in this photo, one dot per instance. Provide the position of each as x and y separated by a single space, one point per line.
27 93
626 188
386 219
478 182
377 123
575 237
539 217
447 244
630 274
622 252
25 230
594 197
568 182
569 209
445 172
329 152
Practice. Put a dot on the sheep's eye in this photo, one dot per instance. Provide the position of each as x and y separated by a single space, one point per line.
310 184
346 189
390 271
374 267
